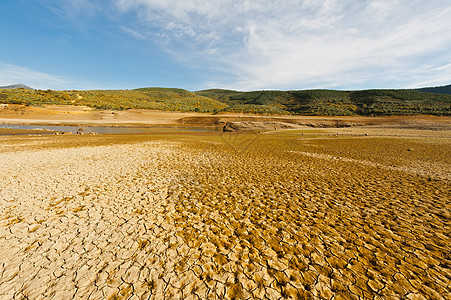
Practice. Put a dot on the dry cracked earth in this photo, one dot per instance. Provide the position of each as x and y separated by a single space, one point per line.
309 216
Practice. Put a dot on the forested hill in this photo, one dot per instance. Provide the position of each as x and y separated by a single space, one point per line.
334 103
302 102
445 89
145 98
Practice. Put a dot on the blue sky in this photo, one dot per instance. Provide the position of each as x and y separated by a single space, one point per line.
244 45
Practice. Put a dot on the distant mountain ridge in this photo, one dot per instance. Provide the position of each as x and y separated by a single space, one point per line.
445 89
17 86
333 102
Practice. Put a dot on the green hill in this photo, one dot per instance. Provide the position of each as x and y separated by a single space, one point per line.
144 98
302 102
334 103
445 89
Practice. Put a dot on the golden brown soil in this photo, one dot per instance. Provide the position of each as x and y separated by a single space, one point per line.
8 131
75 115
304 214
80 115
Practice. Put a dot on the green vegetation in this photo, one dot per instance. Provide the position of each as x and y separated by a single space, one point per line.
146 98
255 109
303 102
335 103
445 89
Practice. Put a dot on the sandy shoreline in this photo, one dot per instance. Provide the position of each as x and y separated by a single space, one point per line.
78 115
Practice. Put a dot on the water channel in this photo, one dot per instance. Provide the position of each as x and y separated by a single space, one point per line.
49 129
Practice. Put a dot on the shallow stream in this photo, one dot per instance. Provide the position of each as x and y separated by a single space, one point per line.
48 129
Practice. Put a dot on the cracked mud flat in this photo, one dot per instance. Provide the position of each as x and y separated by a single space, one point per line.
229 216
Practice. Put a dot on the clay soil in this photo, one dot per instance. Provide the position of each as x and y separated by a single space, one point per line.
312 213
86 116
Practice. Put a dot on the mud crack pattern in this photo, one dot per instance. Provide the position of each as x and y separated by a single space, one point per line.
193 219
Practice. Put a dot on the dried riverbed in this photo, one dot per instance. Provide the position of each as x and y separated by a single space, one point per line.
225 216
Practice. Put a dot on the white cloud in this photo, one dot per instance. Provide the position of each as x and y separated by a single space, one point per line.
75 11
13 74
287 43
433 76
303 43
133 33
293 43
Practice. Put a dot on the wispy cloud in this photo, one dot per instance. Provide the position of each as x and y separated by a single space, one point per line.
289 44
74 10
133 33
433 76
13 74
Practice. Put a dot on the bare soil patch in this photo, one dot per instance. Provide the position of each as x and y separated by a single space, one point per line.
304 214
80 115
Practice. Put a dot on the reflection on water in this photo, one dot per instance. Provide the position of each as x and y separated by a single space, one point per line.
108 130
